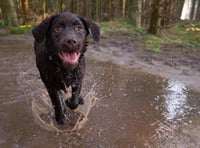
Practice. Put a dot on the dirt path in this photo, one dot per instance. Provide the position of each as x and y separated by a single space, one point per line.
175 62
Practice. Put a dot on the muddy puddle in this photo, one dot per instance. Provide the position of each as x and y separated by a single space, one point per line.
125 108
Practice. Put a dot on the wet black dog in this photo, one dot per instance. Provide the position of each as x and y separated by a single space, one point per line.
60 44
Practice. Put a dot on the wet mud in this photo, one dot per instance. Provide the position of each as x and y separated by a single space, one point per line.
44 114
125 106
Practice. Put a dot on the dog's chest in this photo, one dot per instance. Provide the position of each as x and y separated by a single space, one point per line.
68 79
64 76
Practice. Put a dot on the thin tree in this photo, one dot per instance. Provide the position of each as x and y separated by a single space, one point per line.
156 17
180 4
9 13
193 9
139 14
123 7
197 17
85 8
25 8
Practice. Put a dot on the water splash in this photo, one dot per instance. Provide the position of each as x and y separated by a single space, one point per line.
44 114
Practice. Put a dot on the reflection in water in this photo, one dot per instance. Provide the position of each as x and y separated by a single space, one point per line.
176 108
175 101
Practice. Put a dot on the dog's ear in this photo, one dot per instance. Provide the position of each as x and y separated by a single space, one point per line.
91 29
40 31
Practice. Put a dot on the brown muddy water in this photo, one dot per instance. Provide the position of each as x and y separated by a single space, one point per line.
132 108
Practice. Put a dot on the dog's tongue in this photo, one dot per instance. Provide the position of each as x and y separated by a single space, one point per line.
71 58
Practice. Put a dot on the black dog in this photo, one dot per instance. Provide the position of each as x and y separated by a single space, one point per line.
60 44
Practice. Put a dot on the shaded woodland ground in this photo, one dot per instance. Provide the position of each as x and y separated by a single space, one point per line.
176 56
145 35
150 31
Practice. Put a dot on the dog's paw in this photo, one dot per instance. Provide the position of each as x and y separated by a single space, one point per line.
81 101
71 105
60 120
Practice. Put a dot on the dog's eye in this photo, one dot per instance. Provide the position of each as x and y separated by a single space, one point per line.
79 28
58 29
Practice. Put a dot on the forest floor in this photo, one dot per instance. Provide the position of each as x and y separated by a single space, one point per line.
174 60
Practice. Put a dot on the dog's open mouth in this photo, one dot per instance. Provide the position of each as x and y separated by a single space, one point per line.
69 57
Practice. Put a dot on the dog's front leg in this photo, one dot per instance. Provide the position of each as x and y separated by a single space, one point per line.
76 99
54 95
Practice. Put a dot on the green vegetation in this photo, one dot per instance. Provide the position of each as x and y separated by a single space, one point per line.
117 25
24 29
120 25
189 34
2 24
153 43
186 34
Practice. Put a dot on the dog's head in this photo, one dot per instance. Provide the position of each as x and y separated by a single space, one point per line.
65 35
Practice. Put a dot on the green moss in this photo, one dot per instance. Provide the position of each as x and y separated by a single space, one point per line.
21 30
189 34
153 43
120 25
2 24
186 34
116 25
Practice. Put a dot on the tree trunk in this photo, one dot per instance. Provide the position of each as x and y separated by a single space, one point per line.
109 9
73 9
180 4
9 13
145 12
169 13
197 17
77 7
132 11
1 9
95 9
85 8
192 12
192 9
44 8
139 14
61 4
123 7
155 21
25 8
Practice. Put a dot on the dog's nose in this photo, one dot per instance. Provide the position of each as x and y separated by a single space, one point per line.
72 42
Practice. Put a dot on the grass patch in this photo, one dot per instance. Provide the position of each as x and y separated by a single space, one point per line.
2 24
153 43
186 34
120 25
23 29
116 25
189 34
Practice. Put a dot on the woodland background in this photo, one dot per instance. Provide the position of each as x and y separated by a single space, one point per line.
155 16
